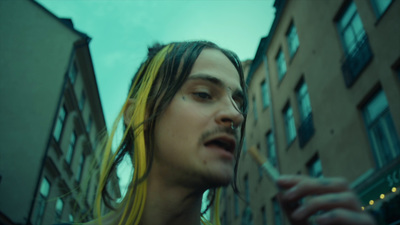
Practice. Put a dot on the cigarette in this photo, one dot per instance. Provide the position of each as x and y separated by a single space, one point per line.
266 166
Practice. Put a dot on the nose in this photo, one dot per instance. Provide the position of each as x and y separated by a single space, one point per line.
229 115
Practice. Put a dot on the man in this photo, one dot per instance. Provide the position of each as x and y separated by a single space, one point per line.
185 118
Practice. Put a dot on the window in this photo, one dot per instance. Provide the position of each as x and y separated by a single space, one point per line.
306 128
62 114
271 150
71 148
264 216
89 124
281 64
42 198
351 28
380 6
303 100
80 168
244 147
82 101
277 211
314 167
358 52
264 94
255 109
381 130
292 39
73 71
246 187
290 126
59 209
236 202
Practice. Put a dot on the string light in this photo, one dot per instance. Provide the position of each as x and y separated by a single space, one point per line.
382 196
362 208
371 202
394 189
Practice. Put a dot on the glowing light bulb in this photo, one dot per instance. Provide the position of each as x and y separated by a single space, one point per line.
371 202
362 208
394 189
382 196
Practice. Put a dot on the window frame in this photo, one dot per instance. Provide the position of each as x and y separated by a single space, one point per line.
371 124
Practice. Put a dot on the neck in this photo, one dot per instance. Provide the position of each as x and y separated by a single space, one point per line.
173 204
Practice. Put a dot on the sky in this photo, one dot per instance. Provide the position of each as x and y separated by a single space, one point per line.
121 31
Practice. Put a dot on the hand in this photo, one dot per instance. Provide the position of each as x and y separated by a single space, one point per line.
330 196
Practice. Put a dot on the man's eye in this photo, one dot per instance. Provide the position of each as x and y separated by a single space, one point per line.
202 95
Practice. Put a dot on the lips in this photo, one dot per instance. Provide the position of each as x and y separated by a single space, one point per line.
224 142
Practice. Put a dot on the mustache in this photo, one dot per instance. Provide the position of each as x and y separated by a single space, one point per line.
219 130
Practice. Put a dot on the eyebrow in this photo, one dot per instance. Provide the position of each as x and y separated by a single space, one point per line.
237 93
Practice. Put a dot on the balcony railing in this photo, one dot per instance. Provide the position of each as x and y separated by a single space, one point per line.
306 130
355 61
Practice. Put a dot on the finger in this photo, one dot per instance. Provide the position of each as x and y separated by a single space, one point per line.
345 217
312 186
288 181
326 202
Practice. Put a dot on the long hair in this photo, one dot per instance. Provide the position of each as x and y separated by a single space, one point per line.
154 85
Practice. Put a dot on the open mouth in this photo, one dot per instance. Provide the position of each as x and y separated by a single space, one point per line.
223 143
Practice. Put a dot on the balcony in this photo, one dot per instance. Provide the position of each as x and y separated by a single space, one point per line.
306 130
356 60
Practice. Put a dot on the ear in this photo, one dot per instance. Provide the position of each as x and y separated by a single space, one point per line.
130 106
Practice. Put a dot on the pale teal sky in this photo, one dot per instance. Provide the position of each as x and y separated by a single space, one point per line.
121 30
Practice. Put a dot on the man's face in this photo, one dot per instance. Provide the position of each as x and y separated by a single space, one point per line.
195 144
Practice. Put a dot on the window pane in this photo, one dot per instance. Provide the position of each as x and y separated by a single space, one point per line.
358 27
59 206
45 187
290 125
381 6
271 149
264 90
315 168
303 101
71 148
59 123
293 40
281 64
347 15
351 28
375 107
277 212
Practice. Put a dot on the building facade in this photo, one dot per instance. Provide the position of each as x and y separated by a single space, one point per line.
324 90
51 118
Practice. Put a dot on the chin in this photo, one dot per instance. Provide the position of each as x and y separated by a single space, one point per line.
220 180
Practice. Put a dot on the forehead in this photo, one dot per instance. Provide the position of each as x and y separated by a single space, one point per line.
213 62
